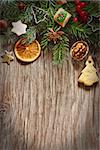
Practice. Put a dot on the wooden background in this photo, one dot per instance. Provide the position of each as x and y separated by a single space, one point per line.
43 108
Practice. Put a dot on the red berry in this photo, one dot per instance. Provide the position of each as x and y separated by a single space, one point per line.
83 13
85 18
82 4
78 8
75 19
77 2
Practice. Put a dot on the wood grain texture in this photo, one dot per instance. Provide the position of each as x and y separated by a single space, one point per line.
43 108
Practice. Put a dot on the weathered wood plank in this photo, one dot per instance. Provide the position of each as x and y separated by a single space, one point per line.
42 107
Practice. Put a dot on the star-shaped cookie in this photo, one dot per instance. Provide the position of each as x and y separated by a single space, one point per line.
19 28
7 57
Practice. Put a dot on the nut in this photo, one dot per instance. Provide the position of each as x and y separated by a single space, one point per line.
79 50
79 45
76 49
73 53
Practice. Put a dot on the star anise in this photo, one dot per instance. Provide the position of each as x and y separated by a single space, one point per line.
54 35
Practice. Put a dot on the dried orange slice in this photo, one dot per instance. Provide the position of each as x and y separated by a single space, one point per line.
27 52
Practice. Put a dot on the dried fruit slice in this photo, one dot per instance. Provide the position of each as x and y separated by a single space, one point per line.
27 52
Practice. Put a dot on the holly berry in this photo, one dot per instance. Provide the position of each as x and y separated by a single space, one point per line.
82 4
3 24
83 13
84 18
75 19
77 2
21 6
78 8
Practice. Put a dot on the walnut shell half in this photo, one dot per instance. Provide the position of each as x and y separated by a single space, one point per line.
79 50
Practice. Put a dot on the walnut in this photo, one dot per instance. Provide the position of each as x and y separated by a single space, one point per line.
79 50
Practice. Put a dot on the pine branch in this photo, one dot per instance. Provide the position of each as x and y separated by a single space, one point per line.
30 35
94 39
10 12
7 36
93 8
26 15
6 1
44 42
60 50
79 31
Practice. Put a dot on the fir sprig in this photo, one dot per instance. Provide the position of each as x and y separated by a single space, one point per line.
6 37
60 50
78 30
44 42
30 35
6 1
26 16
9 11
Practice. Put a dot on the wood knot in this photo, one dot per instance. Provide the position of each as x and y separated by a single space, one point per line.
4 108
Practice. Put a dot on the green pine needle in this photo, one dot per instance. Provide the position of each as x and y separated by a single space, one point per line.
60 50
30 35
